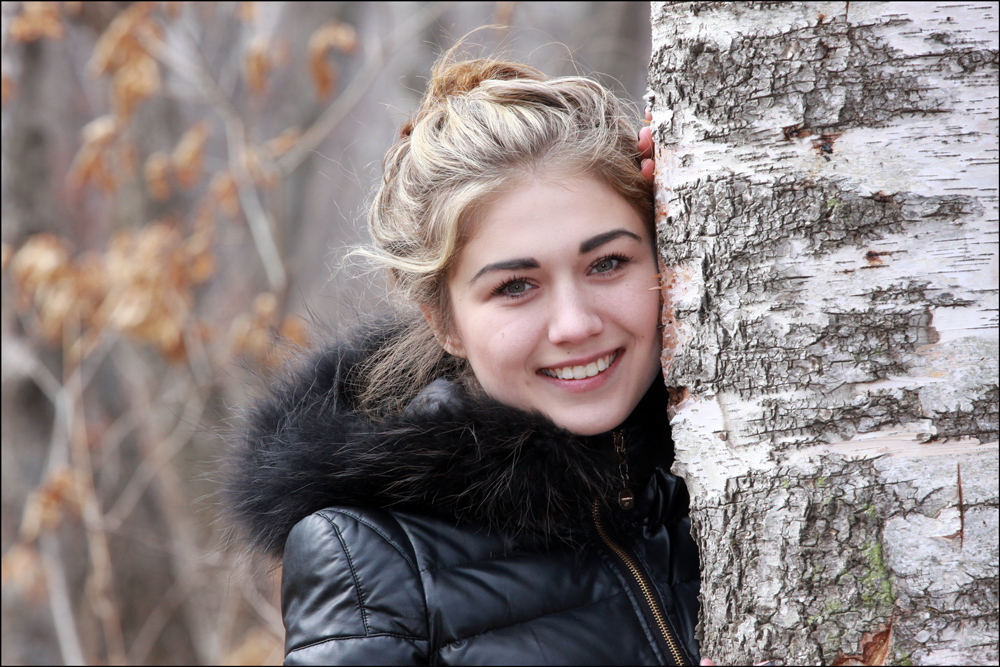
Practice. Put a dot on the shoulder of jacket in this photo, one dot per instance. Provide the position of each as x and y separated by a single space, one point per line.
353 527
351 591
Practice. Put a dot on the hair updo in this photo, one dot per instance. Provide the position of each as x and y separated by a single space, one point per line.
483 127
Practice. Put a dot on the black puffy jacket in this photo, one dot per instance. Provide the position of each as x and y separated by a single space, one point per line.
463 531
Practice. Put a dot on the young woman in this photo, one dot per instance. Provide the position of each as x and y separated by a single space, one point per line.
487 481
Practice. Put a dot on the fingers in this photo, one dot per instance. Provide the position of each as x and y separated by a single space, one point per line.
706 661
645 146
645 143
648 169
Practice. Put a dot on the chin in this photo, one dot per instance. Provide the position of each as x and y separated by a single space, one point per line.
587 423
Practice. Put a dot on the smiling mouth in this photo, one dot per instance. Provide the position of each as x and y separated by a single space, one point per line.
582 372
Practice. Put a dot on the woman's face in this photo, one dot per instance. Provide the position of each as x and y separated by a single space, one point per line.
555 303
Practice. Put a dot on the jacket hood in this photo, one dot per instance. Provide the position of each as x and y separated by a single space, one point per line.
306 446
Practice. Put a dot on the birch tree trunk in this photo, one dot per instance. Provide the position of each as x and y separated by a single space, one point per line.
828 219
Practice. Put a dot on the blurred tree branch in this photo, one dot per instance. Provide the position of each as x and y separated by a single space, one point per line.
138 140
379 53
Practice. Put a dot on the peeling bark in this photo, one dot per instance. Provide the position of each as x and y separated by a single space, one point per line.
828 224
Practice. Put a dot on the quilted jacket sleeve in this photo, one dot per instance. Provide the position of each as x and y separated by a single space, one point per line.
351 592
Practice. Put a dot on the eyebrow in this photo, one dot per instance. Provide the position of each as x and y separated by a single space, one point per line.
507 265
524 263
607 237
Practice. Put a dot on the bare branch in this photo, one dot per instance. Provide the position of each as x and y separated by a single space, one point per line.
257 218
264 609
151 466
359 85
59 600
156 621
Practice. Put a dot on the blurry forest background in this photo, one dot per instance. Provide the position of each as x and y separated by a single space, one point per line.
179 183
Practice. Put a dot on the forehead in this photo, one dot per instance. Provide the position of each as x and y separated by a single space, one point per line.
541 215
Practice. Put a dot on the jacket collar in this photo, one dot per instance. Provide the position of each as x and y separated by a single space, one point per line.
306 446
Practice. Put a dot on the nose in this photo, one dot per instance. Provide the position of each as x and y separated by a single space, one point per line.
573 317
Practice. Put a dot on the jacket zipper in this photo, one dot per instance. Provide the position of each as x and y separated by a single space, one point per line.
638 576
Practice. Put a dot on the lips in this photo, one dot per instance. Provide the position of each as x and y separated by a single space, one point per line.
582 371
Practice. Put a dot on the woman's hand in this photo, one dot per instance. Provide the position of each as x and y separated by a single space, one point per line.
645 146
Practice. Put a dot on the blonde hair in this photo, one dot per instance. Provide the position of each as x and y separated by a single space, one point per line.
483 127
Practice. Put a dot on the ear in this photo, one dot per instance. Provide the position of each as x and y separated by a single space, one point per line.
451 342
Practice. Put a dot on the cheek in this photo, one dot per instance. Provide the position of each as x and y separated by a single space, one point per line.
499 341
637 308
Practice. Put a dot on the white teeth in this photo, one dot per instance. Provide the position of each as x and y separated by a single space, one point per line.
582 372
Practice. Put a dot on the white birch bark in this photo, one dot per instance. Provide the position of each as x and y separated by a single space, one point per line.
828 219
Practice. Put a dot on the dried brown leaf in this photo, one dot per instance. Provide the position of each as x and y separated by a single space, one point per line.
335 35
156 247
202 267
188 154
37 20
46 505
222 190
324 73
119 43
57 308
7 88
131 308
21 569
875 646
257 65
100 132
150 296
246 11
250 334
142 286
90 166
200 258
293 329
132 83
265 308
246 338
61 291
157 172
339 36
169 337
92 163
43 260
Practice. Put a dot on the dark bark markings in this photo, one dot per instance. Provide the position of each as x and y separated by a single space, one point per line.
741 231
829 543
850 537
834 75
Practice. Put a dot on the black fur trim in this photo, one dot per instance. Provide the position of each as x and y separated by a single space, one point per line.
306 447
